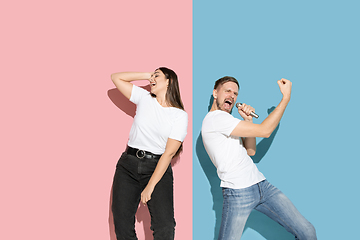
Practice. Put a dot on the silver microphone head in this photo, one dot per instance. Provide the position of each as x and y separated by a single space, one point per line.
238 105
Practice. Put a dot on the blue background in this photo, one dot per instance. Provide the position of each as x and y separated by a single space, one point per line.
313 156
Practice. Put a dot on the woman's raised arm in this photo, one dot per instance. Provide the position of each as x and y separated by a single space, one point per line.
122 80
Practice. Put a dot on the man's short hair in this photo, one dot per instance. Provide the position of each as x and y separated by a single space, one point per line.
225 79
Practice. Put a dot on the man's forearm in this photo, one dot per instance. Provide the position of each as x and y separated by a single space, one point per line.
270 123
250 145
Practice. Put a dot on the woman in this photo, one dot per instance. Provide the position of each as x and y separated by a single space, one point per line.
143 172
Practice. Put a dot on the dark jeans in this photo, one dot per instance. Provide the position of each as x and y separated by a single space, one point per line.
131 177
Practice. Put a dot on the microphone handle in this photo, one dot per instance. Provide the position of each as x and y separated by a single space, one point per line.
252 113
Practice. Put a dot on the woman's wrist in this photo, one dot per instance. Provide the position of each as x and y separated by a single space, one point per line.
148 75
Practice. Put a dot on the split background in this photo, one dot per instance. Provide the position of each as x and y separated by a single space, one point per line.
312 157
63 126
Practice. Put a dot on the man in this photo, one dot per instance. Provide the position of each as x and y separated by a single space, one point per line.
229 143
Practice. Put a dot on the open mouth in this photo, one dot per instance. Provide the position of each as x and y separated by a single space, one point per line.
152 84
228 103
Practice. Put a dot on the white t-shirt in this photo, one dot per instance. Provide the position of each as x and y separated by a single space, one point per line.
234 166
154 124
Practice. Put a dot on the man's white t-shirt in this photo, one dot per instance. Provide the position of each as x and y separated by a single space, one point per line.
154 124
234 166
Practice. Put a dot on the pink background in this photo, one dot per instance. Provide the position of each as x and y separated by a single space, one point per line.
63 127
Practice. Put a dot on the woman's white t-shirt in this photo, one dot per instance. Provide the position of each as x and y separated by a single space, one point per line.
154 124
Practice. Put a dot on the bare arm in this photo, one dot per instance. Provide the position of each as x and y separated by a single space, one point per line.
122 80
248 142
250 145
171 148
264 129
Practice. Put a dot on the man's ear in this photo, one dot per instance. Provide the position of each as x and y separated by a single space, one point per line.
214 93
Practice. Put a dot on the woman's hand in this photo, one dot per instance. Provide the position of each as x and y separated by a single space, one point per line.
151 78
146 194
122 80
171 148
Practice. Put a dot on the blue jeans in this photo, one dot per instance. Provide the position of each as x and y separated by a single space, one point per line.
265 198
131 177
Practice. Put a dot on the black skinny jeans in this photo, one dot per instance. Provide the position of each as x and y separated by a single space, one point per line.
131 177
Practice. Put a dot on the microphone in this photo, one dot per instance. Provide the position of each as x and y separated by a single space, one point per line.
252 113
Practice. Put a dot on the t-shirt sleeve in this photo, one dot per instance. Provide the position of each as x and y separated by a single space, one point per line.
137 93
225 123
179 129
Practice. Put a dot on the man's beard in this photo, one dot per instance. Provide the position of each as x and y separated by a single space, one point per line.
219 106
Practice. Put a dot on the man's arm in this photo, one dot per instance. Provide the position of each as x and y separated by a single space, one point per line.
264 129
250 145
248 142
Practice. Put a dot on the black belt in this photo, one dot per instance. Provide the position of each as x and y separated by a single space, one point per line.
141 153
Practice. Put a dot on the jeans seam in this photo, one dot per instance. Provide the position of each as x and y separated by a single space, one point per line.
261 195
139 167
225 223
282 221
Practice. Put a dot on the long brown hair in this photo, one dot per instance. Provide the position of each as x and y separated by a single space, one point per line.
173 94
173 91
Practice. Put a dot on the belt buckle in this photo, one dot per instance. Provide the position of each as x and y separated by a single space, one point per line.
142 154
